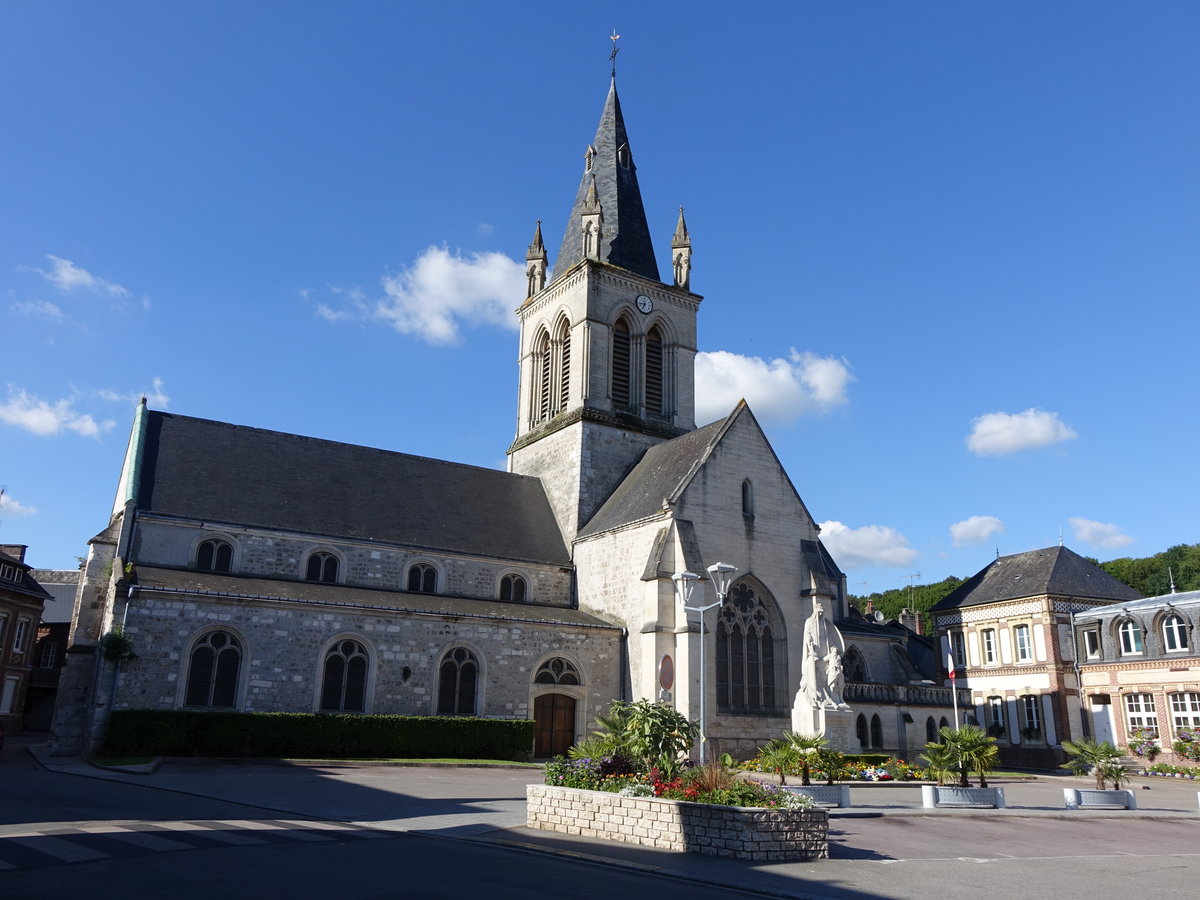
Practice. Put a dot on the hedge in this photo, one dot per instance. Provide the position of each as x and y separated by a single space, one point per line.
146 732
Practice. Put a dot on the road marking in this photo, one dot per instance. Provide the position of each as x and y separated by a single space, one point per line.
60 849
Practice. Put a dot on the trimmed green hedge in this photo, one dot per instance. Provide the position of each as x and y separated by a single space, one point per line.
146 732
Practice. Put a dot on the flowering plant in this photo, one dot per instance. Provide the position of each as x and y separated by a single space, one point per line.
1144 742
1187 743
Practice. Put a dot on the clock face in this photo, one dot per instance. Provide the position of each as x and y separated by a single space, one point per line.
644 303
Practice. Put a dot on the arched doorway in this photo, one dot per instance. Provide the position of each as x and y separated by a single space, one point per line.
553 724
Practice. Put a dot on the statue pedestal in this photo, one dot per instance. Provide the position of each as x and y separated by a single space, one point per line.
835 725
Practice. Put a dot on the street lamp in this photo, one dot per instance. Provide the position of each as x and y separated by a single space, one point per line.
721 575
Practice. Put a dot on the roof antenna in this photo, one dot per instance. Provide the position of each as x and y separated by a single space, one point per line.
1170 574
997 551
613 56
1060 535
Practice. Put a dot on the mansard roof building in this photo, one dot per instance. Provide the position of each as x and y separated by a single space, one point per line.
255 570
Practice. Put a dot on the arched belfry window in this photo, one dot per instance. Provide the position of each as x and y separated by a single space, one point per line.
513 589
621 365
748 662
422 579
855 666
655 404
344 682
543 363
322 567
564 365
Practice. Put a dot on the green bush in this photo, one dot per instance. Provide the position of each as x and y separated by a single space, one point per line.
312 736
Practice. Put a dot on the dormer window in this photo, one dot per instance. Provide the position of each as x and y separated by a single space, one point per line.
1131 638
7 572
1175 637
623 156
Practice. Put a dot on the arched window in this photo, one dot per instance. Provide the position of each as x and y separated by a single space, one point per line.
457 679
621 369
214 556
556 671
512 589
564 370
422 579
876 732
1131 638
855 665
942 723
746 674
543 362
860 728
655 404
931 731
1175 637
344 684
322 567
213 669
747 499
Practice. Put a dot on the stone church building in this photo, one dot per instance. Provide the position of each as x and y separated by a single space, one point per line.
261 571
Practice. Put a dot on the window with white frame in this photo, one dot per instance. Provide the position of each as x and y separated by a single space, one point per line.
1185 710
987 639
1140 712
958 644
8 696
20 637
1031 717
996 715
49 654
7 572
1024 643
1130 633
1175 637
1091 644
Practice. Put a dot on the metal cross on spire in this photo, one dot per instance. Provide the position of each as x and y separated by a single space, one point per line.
614 37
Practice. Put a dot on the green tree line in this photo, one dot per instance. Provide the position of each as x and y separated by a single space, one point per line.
1150 575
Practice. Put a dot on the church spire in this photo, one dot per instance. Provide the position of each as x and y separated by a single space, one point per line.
609 172
681 254
535 263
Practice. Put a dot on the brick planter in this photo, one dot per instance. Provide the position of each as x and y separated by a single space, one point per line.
732 831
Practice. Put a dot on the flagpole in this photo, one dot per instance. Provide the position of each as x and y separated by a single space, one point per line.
953 689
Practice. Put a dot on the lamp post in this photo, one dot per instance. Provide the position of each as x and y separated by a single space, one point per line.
721 575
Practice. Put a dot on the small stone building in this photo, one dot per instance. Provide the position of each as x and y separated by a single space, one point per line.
21 600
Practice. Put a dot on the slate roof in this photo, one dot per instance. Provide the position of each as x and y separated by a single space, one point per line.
625 236
221 473
25 584
662 472
268 589
1178 600
1054 570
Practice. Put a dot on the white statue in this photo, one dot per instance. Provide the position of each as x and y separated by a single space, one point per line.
822 679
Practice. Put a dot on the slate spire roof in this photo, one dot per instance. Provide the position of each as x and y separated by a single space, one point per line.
1054 570
610 172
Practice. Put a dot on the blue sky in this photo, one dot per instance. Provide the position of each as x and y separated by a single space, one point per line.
948 250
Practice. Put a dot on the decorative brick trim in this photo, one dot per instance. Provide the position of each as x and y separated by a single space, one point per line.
730 831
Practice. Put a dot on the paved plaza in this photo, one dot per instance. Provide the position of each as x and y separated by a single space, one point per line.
885 845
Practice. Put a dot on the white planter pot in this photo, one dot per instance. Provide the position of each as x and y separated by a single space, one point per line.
1093 799
824 794
933 796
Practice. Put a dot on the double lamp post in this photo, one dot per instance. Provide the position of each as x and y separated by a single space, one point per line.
721 575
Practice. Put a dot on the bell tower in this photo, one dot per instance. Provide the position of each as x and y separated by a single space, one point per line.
607 350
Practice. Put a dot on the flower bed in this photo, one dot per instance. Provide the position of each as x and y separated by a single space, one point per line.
1165 770
711 829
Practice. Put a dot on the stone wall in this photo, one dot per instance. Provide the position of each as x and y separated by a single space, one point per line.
739 833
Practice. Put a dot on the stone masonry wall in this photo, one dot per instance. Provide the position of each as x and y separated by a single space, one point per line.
735 832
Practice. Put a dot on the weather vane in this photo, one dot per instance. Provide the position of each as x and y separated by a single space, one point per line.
613 56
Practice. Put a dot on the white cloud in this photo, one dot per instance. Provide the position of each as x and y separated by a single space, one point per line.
998 433
781 390
485 228
975 530
156 397
68 277
39 309
15 507
27 411
1099 534
871 545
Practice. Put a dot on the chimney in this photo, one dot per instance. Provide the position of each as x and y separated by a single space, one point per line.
16 551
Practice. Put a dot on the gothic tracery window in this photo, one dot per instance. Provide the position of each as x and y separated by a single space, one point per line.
557 671
746 657
855 665
458 676
344 683
214 667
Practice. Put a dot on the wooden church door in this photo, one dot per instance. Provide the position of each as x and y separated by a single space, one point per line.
554 724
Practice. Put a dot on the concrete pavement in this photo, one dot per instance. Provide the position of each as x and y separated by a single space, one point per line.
886 826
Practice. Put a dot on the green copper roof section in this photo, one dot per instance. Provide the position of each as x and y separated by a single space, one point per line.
131 471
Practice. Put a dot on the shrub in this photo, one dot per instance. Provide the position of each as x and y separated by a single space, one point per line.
309 735
1187 743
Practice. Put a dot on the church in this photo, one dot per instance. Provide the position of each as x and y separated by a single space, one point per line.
260 571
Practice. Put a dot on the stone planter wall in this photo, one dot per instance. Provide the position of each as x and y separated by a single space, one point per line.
933 796
740 833
824 794
1094 799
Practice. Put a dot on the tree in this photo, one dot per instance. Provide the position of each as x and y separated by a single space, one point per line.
831 762
1091 757
941 761
974 749
780 757
805 745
